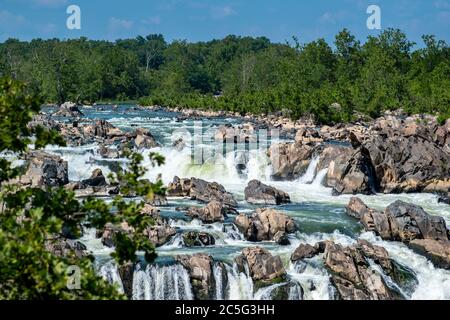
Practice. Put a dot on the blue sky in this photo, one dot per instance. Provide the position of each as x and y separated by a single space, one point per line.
196 20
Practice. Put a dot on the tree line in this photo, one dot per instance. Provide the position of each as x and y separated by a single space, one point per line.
243 74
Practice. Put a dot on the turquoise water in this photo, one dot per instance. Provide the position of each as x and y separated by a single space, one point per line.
317 213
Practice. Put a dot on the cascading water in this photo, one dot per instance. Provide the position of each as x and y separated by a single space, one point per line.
162 283
310 173
319 215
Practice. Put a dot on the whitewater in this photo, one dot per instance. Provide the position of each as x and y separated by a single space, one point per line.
318 214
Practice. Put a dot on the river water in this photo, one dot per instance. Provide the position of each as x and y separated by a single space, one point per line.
318 215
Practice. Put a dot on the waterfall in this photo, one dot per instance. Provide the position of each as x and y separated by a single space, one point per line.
162 283
310 173
218 278
240 284
320 177
110 273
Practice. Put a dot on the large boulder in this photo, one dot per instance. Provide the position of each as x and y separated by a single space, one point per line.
263 267
201 190
63 247
200 268
144 139
289 160
258 193
406 158
214 211
352 275
198 239
399 222
437 251
305 251
409 222
68 109
264 225
97 179
44 170
352 175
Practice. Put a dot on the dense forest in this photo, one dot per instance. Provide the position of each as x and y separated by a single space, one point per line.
243 74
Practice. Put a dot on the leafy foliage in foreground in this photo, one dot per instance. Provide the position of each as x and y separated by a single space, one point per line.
242 74
34 219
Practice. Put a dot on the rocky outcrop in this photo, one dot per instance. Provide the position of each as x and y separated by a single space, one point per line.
407 158
200 270
305 251
198 239
201 190
144 139
214 211
437 251
258 193
353 275
63 247
159 234
399 222
263 267
97 179
265 225
352 174
68 109
289 160
44 170
409 222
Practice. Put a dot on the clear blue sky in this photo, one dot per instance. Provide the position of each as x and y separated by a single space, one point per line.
207 19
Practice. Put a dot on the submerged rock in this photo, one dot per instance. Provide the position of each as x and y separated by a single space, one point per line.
258 193
265 225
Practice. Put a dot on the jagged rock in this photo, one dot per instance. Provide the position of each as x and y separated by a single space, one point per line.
144 139
355 175
437 251
198 239
68 109
62 247
289 160
44 170
308 136
108 153
406 158
263 267
399 222
328 155
258 193
200 267
281 238
214 211
305 251
409 222
179 144
97 179
264 224
126 272
160 234
351 273
201 190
